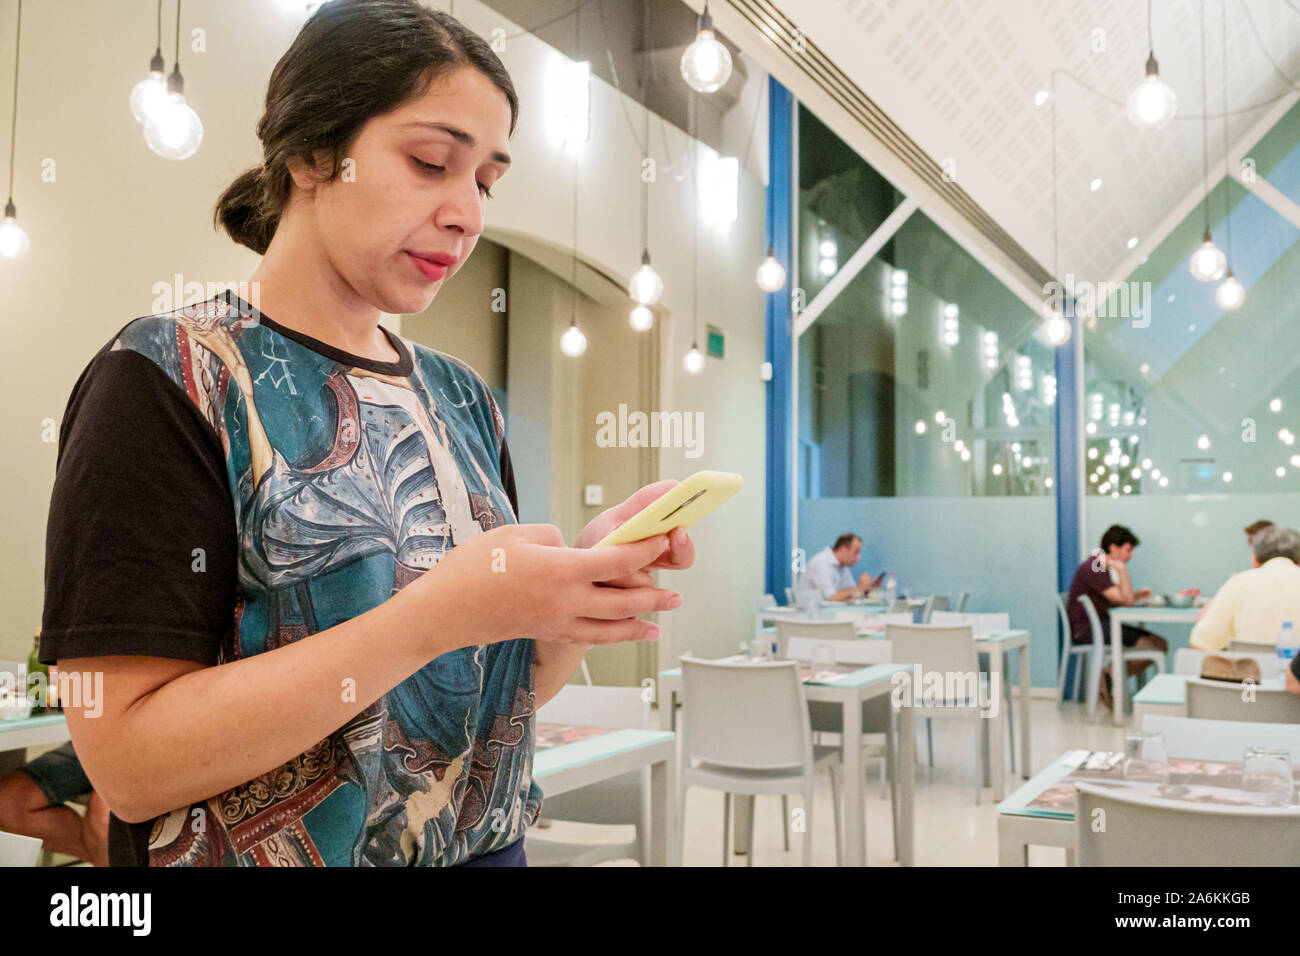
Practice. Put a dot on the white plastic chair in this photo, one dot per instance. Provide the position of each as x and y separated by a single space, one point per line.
1121 828
1223 700
935 602
1252 647
899 606
813 630
618 802
789 597
948 651
745 730
17 850
1070 650
1097 662
1188 662
960 604
1224 740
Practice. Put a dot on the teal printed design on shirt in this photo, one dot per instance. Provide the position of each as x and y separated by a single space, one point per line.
347 484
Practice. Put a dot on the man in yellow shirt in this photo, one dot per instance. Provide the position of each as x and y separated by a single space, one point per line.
1252 605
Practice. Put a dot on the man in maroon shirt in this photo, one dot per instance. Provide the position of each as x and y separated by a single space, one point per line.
1103 577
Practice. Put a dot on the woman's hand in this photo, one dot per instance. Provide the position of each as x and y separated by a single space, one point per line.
521 581
681 551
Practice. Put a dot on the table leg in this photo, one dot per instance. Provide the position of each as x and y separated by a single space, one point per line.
1118 687
662 825
1023 655
996 729
1012 851
855 836
905 769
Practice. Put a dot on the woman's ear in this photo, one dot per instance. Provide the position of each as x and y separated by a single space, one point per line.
307 175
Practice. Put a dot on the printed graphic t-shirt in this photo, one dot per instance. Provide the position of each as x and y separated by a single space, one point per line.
226 486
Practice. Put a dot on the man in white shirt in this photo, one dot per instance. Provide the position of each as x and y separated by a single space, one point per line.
1252 605
829 571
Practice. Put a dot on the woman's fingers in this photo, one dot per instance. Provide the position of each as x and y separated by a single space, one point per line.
590 631
618 560
618 603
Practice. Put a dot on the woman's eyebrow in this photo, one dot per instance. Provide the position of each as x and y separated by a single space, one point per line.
459 135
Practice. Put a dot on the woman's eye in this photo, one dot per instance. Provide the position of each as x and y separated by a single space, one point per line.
431 168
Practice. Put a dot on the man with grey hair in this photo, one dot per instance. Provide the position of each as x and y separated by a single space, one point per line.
1253 605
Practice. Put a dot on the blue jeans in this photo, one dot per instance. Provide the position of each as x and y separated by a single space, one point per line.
513 855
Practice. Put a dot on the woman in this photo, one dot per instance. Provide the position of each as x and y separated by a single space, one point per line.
347 672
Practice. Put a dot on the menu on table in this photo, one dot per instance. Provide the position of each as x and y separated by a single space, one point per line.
555 735
826 671
1190 781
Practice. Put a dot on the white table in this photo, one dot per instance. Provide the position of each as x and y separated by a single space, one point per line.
850 691
33 732
1119 616
1020 826
581 763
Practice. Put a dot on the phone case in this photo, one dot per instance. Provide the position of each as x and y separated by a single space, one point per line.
683 505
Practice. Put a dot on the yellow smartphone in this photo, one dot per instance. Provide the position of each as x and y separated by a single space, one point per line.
682 506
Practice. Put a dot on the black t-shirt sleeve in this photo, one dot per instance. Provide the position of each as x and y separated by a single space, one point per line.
508 478
1295 666
140 546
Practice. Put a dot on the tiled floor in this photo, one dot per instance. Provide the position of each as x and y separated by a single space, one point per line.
950 829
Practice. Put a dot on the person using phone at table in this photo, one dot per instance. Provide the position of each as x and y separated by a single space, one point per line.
1104 578
829 571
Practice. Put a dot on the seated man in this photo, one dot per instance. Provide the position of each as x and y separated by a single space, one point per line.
32 802
1103 577
828 571
1252 605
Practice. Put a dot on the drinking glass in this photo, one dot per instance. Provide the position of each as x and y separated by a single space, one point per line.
1266 776
760 649
823 661
1145 756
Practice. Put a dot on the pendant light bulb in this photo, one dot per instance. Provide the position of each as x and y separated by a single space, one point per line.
573 343
641 318
706 63
1152 103
771 274
1231 293
645 287
694 360
1056 329
1208 261
149 93
13 238
172 129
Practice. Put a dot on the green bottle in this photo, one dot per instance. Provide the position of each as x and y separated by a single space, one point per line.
34 666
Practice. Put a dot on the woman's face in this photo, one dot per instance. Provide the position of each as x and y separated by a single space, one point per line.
417 188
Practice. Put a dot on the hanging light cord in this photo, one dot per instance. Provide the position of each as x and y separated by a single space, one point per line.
178 35
577 49
1056 232
645 147
695 231
1151 47
1227 143
1205 123
158 45
13 129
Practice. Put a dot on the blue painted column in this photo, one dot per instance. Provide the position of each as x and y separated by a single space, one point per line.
780 394
1069 462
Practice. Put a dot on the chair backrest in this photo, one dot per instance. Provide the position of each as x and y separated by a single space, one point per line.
789 597
948 650
765 602
1094 622
597 706
1188 660
899 605
857 650
813 630
983 623
935 602
1063 615
1252 647
960 604
17 850
1222 700
808 598
1121 828
749 715
1224 740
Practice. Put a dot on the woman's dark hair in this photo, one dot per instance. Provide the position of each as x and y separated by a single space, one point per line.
353 60
1117 536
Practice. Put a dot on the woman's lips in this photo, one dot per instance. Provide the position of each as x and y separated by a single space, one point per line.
432 271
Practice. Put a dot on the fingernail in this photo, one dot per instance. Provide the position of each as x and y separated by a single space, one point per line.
674 601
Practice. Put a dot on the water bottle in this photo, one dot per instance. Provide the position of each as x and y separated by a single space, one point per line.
1287 644
891 589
